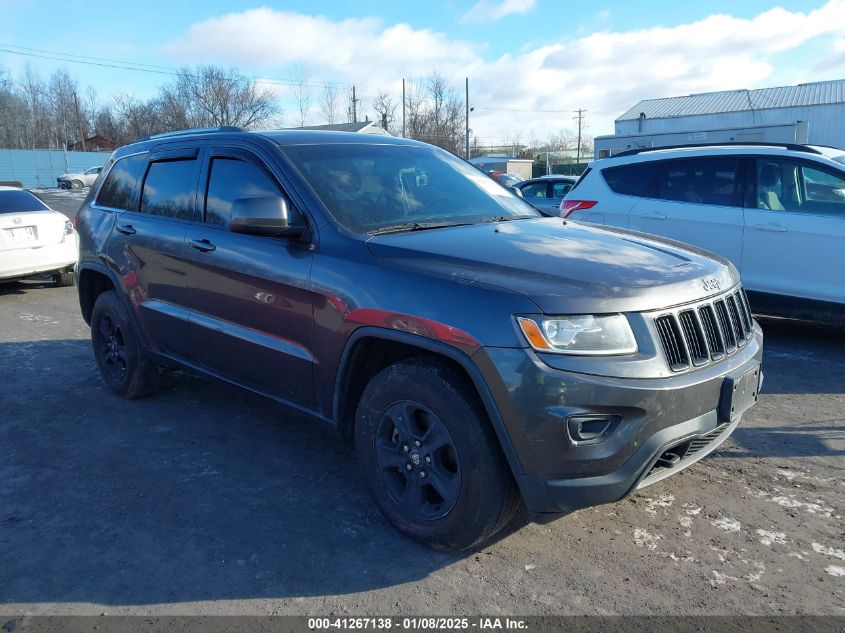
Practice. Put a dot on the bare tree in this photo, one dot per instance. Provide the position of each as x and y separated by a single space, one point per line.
385 108
301 94
329 104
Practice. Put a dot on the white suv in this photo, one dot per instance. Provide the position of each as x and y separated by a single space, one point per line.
776 211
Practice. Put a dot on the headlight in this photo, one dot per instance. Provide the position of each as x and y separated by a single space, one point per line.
586 334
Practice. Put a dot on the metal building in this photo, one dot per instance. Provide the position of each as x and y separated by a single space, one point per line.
807 113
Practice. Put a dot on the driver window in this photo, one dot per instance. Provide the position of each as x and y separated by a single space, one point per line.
230 179
777 185
537 190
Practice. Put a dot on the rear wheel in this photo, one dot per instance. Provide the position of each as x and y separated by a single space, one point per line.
124 365
63 278
430 457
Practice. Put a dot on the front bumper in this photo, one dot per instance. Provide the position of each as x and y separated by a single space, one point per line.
651 416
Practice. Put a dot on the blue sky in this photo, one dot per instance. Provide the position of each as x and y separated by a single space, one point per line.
537 60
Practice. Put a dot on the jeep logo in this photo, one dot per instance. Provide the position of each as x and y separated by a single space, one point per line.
711 283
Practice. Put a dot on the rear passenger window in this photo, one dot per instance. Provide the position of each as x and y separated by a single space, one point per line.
536 190
169 189
560 189
630 180
229 180
699 180
121 188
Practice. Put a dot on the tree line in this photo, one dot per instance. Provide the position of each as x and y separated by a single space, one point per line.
55 112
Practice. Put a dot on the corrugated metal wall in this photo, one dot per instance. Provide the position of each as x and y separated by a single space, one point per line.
824 122
40 167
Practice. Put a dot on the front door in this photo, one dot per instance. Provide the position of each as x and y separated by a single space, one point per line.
251 313
795 230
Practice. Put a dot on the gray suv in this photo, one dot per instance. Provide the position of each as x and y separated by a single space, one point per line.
478 355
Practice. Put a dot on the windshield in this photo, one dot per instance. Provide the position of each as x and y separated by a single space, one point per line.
18 201
369 187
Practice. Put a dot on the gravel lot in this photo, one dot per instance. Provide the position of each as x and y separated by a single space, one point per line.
207 499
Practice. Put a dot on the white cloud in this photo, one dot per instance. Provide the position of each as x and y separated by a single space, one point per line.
490 10
604 72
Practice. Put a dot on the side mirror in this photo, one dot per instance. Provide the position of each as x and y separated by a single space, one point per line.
516 190
263 215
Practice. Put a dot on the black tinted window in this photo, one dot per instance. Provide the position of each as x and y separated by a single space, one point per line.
699 180
169 189
630 180
121 188
18 200
229 180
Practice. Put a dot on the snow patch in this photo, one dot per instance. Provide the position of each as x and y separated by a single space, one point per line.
828 551
727 524
720 579
835 570
663 501
767 538
809 507
645 539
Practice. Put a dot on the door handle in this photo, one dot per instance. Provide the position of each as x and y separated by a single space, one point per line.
653 216
774 228
126 229
204 246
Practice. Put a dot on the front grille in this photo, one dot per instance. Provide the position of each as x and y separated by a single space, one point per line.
703 441
673 344
694 336
697 335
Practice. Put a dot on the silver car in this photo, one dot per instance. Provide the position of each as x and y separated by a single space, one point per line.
546 192
77 181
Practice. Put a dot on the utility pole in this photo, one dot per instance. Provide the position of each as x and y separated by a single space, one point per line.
467 118
579 117
354 106
403 107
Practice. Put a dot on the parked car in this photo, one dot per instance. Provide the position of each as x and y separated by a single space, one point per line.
34 239
77 181
776 211
547 192
506 180
478 355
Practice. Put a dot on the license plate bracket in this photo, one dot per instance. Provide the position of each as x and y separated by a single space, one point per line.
739 393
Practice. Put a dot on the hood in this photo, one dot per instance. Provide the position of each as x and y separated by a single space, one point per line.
564 267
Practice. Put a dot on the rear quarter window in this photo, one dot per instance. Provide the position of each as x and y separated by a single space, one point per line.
121 189
630 180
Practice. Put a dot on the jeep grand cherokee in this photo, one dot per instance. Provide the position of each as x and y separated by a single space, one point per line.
479 355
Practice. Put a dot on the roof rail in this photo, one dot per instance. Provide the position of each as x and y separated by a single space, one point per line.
195 130
790 146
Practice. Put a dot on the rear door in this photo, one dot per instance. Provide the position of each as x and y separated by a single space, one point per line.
148 240
697 201
795 230
251 306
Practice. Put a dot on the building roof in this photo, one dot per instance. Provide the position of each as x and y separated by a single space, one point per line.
820 93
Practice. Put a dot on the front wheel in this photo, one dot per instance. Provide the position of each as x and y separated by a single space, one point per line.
123 363
76 184
430 457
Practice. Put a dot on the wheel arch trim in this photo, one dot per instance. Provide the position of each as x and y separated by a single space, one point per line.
435 347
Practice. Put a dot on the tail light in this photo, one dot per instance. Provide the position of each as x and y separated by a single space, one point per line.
571 206
69 227
74 221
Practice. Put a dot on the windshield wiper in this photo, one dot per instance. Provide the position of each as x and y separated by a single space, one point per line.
414 226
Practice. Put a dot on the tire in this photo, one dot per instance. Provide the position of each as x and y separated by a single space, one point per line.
453 490
63 279
126 368
76 184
